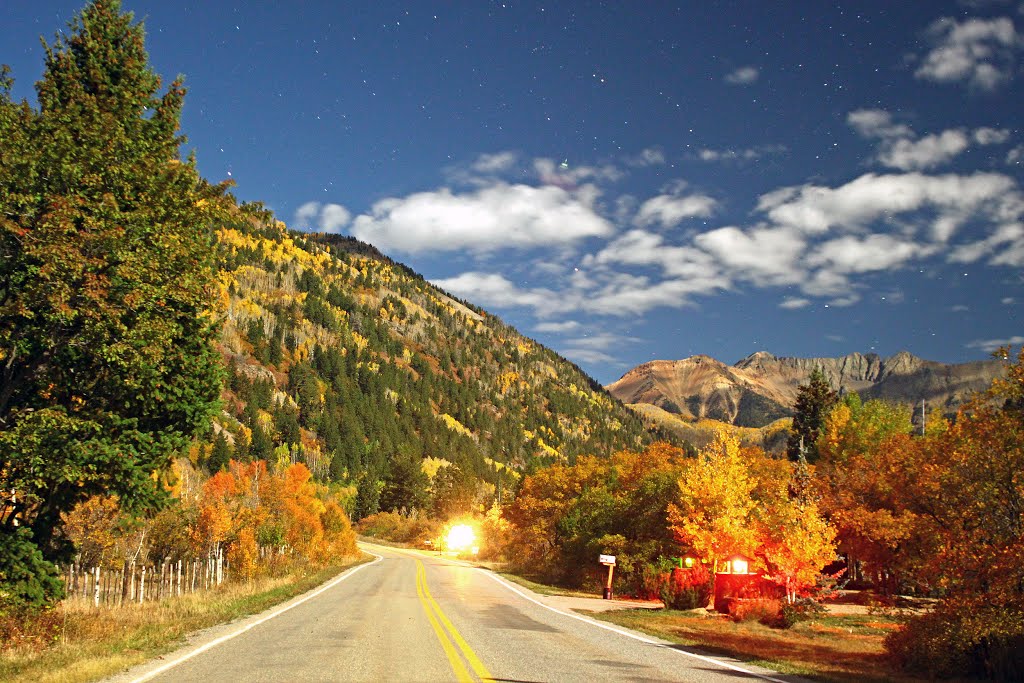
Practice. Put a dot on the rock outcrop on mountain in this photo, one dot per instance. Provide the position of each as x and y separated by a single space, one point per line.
761 388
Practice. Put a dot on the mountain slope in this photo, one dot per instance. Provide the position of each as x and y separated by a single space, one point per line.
352 363
762 388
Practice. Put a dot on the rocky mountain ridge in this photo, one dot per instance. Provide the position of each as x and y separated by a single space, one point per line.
762 387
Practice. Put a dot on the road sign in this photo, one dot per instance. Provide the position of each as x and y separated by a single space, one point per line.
606 559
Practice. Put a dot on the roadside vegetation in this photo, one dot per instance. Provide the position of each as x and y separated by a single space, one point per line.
846 647
76 642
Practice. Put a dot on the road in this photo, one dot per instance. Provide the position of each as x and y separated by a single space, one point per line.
411 616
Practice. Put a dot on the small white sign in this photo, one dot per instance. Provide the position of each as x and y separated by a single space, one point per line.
606 559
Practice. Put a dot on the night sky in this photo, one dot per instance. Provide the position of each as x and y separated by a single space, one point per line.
636 180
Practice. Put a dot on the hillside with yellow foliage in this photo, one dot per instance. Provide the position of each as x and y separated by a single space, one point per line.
380 383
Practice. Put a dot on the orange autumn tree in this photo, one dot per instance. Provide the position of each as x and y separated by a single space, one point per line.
565 516
967 491
866 455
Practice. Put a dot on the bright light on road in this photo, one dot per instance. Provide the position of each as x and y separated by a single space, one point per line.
460 537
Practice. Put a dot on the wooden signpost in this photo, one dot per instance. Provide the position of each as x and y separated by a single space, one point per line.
608 561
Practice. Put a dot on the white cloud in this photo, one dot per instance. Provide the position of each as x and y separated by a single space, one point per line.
745 75
322 217
305 215
992 345
849 254
991 136
489 218
813 209
568 176
669 211
1008 301
628 295
959 308
644 248
901 148
601 342
589 356
334 217
558 328
652 156
877 123
979 52
1005 246
495 163
1015 156
739 155
925 153
766 256
792 303
496 291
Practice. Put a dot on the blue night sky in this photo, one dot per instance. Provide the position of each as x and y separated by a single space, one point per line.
636 180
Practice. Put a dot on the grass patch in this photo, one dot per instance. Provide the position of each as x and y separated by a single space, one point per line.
832 648
94 643
544 589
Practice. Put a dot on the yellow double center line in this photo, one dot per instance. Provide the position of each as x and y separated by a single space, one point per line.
440 623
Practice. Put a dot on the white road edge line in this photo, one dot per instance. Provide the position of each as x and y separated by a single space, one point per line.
634 636
234 634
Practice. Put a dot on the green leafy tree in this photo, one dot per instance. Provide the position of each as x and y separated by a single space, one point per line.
814 401
106 357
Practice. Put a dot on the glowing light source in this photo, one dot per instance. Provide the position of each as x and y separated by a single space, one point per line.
739 566
688 561
460 537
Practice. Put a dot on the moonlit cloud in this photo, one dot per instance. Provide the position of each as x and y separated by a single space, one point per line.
991 136
494 217
794 303
601 342
765 256
992 345
877 123
322 217
901 148
739 155
1005 246
563 174
558 327
652 156
950 198
745 75
495 163
849 254
925 153
979 52
590 356
497 291
669 211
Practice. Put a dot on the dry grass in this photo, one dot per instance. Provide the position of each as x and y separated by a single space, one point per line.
833 648
92 643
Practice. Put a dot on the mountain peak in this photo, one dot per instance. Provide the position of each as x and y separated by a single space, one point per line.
763 387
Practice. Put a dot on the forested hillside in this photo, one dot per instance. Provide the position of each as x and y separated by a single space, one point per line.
199 375
349 362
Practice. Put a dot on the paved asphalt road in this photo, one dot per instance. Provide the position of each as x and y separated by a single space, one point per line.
412 616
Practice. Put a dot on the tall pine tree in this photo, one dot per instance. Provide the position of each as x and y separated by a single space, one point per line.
814 401
106 330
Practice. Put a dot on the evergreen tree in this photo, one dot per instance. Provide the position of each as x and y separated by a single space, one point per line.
814 401
220 455
405 486
105 271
